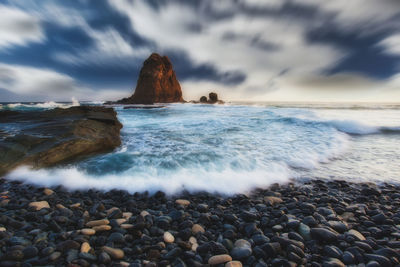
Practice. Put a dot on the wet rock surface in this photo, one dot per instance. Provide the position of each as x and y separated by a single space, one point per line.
47 138
315 223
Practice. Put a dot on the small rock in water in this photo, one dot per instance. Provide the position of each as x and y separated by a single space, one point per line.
218 259
38 205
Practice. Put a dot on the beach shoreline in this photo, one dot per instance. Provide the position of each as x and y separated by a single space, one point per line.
312 223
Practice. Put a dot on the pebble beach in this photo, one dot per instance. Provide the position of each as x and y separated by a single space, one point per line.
313 223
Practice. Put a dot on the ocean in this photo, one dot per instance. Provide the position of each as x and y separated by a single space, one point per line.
234 148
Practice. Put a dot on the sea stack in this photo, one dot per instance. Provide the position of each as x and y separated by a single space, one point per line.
157 83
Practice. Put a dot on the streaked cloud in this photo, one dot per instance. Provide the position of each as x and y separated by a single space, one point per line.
243 49
18 27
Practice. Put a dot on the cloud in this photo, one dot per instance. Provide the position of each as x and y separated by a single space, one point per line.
36 84
18 27
27 80
365 16
167 27
391 44
109 48
350 87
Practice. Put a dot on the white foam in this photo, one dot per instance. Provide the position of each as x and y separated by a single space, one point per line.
47 105
225 182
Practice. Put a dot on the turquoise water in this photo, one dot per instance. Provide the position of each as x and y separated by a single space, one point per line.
234 148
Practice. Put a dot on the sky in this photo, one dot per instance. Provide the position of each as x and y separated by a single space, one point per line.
245 50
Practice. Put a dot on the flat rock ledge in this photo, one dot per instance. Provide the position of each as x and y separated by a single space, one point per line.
47 138
315 223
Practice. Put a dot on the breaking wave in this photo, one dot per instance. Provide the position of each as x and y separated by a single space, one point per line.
226 149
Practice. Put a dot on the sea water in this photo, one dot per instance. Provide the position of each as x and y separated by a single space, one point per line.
234 148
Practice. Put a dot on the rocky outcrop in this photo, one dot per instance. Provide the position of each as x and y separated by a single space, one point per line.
47 138
212 99
157 83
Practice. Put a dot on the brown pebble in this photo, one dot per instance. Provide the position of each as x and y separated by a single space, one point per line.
38 205
48 191
233 264
97 223
115 253
88 231
182 202
197 228
101 228
218 259
85 247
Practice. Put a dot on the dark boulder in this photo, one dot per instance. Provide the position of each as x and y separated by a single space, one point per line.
203 99
213 97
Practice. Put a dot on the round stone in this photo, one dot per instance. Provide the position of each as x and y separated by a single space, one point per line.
115 253
48 191
38 205
234 264
197 228
97 223
182 202
168 237
218 259
101 228
88 231
85 247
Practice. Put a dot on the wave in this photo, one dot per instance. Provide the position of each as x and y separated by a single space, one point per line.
352 127
45 105
225 182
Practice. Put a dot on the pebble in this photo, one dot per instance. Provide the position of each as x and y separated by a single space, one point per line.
271 200
325 223
114 253
97 223
182 202
218 259
144 213
242 249
197 228
48 191
168 237
126 226
323 235
357 235
38 205
88 231
102 228
234 264
85 247
334 263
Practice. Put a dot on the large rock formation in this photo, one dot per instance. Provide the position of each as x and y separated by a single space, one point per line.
157 83
47 138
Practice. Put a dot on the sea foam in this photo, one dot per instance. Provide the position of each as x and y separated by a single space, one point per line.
226 149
